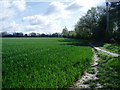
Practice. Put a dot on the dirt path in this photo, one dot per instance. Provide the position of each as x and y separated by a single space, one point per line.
88 76
105 51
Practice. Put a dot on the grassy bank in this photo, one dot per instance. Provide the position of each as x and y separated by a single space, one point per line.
109 71
108 46
112 47
43 62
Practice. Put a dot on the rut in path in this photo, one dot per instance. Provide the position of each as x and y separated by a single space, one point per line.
87 76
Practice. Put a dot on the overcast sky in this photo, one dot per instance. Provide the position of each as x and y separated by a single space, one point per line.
42 16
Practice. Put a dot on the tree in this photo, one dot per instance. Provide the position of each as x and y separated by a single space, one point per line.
99 33
65 32
16 34
71 34
3 34
115 20
43 35
26 35
88 25
55 35
32 34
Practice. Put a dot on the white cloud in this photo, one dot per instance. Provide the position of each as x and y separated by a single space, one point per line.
16 27
19 4
6 12
56 17
33 28
42 24
74 6
61 10
57 10
84 5
51 28
11 27
55 7
37 20
51 21
9 9
57 14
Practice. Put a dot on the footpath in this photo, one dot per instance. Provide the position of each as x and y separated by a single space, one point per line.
104 51
88 76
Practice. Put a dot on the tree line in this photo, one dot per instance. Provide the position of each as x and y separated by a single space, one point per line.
92 26
33 34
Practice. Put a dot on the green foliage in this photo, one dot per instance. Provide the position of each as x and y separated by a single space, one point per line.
116 36
99 32
65 32
115 22
90 26
43 62
93 25
109 72
112 47
91 71
71 34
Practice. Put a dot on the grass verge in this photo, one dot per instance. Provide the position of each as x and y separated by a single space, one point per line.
112 47
109 71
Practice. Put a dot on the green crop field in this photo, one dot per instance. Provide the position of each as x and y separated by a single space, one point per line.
43 62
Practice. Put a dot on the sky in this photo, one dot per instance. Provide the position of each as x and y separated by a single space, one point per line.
42 16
